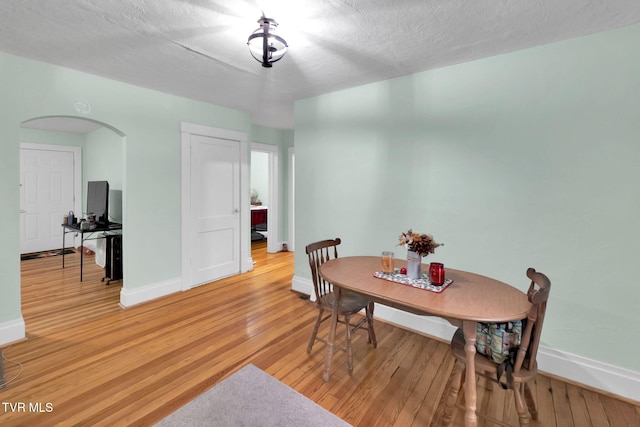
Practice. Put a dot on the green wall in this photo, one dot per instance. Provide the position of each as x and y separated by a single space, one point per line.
527 159
37 136
260 175
102 161
148 127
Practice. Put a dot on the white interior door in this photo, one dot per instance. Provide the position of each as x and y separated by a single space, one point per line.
215 208
47 187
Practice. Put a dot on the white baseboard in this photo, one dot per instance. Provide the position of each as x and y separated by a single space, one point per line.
247 265
130 297
598 375
278 246
602 376
302 285
13 330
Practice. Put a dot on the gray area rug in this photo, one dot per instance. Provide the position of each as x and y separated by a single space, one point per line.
249 398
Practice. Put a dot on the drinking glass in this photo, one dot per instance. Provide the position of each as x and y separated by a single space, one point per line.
387 262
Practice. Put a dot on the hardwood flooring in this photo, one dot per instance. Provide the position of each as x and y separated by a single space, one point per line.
87 361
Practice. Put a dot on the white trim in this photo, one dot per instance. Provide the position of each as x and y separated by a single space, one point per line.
246 262
11 331
302 285
598 375
131 297
273 226
188 129
292 185
185 164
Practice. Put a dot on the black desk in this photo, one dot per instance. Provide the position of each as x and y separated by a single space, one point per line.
99 232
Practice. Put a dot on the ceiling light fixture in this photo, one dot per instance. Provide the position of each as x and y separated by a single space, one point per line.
265 46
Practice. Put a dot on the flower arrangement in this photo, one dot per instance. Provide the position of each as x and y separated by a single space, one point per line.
422 244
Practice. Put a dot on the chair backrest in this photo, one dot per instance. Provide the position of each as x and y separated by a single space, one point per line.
318 253
538 296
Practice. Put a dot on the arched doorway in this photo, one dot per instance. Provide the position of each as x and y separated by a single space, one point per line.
98 149
58 155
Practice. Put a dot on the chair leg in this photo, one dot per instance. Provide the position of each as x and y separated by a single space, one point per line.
521 406
456 383
347 320
316 327
372 332
531 404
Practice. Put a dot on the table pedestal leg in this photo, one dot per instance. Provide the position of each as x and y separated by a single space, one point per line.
470 417
332 334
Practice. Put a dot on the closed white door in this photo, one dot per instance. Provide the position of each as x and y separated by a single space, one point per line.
215 208
47 185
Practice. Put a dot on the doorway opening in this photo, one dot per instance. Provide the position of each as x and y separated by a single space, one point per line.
265 200
62 154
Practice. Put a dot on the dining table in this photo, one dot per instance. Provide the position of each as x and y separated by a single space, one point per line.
467 299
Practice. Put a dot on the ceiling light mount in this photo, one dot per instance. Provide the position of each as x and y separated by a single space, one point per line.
265 46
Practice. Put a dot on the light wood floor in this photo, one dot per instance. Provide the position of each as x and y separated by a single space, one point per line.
89 362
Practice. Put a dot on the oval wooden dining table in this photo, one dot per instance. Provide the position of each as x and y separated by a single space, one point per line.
469 299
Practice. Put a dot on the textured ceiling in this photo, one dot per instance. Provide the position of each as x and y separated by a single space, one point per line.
197 48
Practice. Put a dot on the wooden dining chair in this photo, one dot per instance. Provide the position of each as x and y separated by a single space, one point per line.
524 366
350 303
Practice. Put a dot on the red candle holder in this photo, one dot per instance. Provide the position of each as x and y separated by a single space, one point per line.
436 273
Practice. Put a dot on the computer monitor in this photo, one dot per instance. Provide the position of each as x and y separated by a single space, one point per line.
98 201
